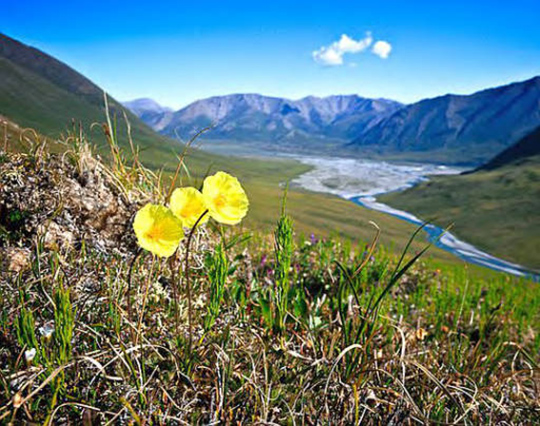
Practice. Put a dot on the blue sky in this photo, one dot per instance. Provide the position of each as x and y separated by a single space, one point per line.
177 52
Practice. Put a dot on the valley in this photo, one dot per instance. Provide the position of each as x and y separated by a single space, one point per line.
495 207
248 129
370 184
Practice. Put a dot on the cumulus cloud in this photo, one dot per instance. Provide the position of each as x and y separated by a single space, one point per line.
382 49
332 55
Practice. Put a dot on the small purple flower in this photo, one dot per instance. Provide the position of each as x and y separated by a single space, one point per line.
313 239
263 260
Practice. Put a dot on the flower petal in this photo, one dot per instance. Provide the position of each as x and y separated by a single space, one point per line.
188 205
158 230
225 198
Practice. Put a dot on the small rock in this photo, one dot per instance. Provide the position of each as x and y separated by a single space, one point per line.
15 259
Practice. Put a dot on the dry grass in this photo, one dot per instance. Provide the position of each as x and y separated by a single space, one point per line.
363 339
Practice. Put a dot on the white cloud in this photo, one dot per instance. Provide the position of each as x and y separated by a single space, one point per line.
328 56
349 45
333 55
382 49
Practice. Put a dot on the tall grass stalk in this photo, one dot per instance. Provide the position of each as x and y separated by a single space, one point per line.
64 321
217 267
283 252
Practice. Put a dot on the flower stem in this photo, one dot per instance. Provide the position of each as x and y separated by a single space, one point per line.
187 276
175 294
130 273
145 297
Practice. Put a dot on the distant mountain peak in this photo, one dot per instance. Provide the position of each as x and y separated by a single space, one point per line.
141 105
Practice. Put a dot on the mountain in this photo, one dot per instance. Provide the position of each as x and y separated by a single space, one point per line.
494 207
455 128
527 150
310 122
149 111
468 129
38 91
145 106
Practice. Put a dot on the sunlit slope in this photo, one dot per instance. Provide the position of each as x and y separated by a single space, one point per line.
496 207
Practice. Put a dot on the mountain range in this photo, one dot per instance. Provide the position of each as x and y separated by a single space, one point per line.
37 90
309 123
451 128
473 128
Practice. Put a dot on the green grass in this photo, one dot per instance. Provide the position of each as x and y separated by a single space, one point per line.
494 210
285 329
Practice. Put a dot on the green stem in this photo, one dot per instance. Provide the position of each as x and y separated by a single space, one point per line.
187 276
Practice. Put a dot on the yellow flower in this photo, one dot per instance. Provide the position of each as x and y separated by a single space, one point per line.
225 198
158 230
188 205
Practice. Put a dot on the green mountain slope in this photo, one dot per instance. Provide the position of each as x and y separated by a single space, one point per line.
495 207
40 92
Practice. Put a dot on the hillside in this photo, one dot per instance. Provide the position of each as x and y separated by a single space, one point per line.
308 124
527 150
495 207
458 129
234 327
38 91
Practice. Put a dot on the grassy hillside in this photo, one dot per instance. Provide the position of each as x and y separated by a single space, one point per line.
495 208
40 92
266 330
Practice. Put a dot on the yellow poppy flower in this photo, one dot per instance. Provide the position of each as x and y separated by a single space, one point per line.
187 204
225 198
158 230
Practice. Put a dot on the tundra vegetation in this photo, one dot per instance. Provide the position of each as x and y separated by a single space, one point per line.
107 319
